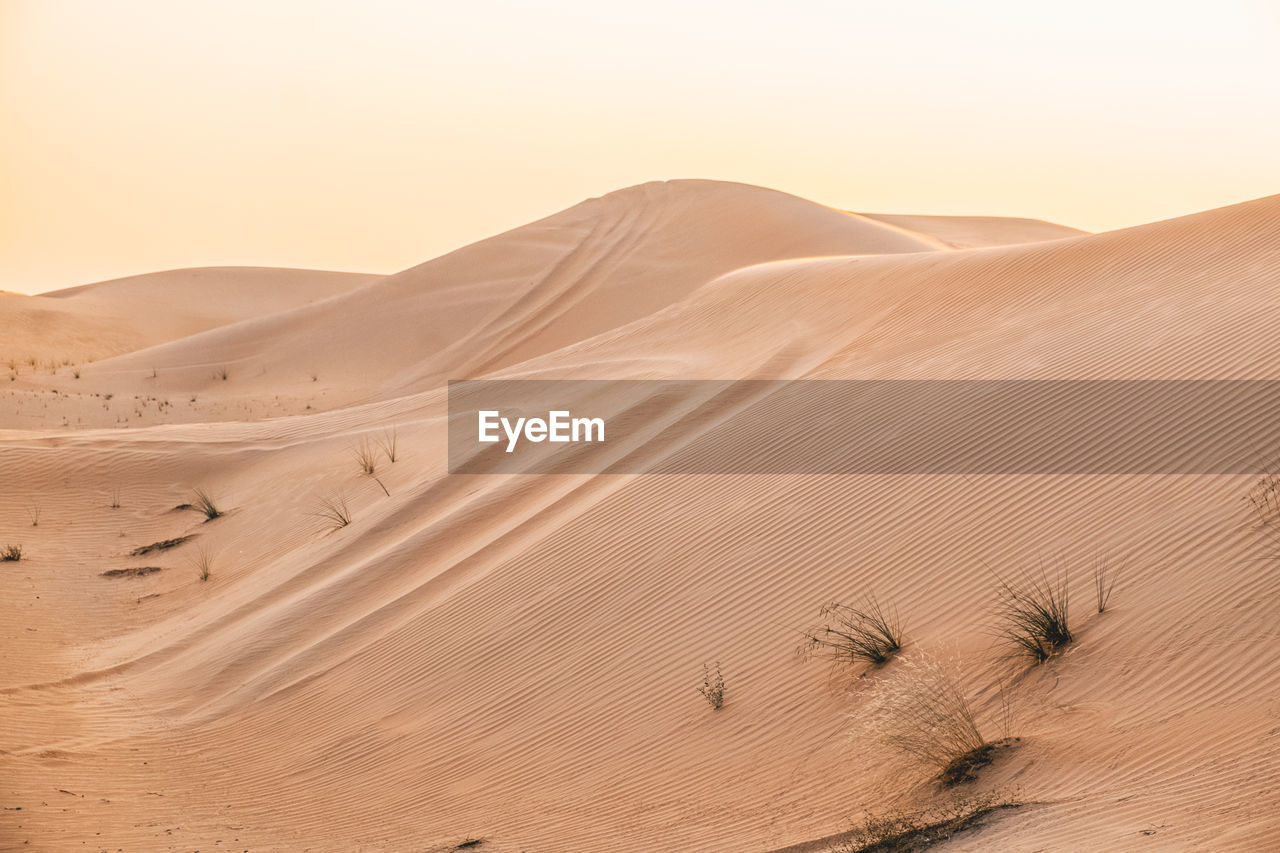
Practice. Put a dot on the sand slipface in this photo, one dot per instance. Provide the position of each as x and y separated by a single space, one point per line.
514 659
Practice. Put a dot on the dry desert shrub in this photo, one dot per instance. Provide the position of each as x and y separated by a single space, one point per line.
921 711
865 632
712 688
11 554
132 572
162 545
903 831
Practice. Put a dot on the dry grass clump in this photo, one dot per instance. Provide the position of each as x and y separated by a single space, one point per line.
11 554
1265 498
132 572
1033 614
712 688
203 563
367 458
1105 575
333 510
203 502
922 711
866 632
162 545
902 831
387 443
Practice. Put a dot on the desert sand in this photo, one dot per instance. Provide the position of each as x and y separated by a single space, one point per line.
514 660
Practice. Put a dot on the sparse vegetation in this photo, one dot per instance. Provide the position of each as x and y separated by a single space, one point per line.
333 510
131 572
163 545
203 563
1104 580
866 632
387 442
115 498
221 373
901 831
1034 614
203 503
366 457
11 554
712 688
33 513
923 712
1265 498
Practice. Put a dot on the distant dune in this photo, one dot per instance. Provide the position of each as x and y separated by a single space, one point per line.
93 321
513 660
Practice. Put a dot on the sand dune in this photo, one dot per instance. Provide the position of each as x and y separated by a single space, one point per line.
93 321
514 659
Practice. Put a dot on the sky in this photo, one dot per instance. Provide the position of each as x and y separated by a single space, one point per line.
372 135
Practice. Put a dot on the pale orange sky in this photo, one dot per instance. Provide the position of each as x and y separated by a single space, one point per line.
149 134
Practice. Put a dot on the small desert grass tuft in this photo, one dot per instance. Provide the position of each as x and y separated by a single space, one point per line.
1265 498
221 373
922 711
162 545
1033 614
11 554
33 513
1105 575
203 503
132 572
333 510
712 688
902 831
115 499
203 564
387 442
366 457
866 632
